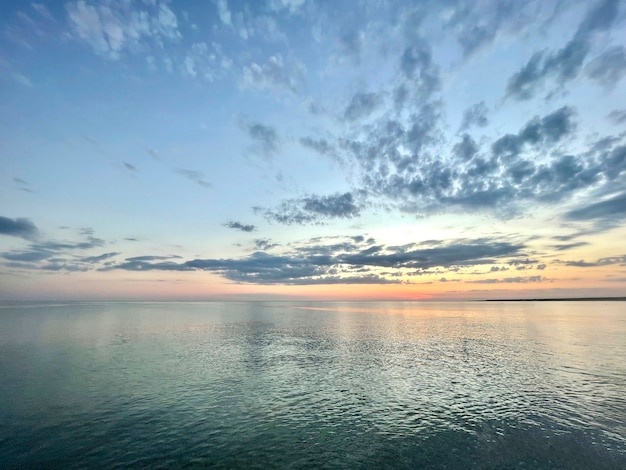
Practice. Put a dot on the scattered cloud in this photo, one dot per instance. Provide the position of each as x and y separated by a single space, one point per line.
566 63
362 105
509 280
240 226
265 137
475 116
195 176
314 209
274 74
116 27
621 260
20 227
345 261
609 67
618 116
224 12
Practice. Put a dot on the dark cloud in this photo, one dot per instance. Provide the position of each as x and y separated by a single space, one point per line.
264 244
547 130
32 255
314 209
466 148
51 255
566 63
362 105
406 163
240 226
195 176
151 258
20 227
621 260
609 67
475 25
569 246
475 115
97 259
264 136
343 261
321 146
420 73
613 208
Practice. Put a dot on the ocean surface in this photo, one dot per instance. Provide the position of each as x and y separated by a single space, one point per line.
506 385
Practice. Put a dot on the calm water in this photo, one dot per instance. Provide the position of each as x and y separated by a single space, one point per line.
301 385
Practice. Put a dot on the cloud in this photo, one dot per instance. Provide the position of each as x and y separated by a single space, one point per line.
621 260
618 116
51 255
475 115
346 260
130 167
240 226
264 244
321 146
116 26
509 280
608 68
362 105
21 228
406 162
549 129
223 12
613 208
274 74
420 73
205 61
569 246
291 5
195 176
264 136
314 209
566 63
351 43
97 259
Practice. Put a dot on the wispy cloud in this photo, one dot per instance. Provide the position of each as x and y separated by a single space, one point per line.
195 176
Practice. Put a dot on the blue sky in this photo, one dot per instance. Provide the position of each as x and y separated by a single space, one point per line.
312 149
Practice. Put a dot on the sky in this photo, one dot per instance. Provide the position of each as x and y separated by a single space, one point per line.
314 150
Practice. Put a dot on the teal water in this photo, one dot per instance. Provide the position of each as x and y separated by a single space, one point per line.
313 385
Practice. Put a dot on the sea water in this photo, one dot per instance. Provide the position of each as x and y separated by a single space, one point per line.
313 385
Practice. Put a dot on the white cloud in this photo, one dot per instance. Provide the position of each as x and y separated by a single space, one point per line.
224 12
274 74
291 5
118 26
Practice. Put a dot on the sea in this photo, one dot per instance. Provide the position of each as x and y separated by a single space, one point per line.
380 385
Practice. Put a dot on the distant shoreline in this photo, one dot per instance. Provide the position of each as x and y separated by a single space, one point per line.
565 299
